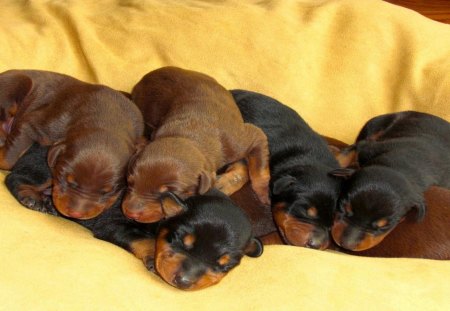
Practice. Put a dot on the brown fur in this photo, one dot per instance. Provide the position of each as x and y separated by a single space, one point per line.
92 129
196 129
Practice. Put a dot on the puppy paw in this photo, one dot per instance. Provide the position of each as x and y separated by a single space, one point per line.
149 263
31 203
43 206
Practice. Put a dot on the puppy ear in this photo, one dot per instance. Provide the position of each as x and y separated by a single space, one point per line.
283 184
139 146
254 248
53 154
421 210
18 85
205 181
172 205
344 173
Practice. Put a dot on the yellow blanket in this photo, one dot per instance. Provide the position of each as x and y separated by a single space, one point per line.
337 63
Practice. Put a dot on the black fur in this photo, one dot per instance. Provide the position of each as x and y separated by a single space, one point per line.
400 156
219 226
299 160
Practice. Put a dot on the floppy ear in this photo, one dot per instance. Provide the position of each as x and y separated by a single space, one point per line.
282 184
205 181
53 154
254 248
345 173
172 205
139 146
421 210
18 85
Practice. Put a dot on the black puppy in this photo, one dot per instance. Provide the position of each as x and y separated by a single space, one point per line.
206 239
400 155
193 250
303 194
30 183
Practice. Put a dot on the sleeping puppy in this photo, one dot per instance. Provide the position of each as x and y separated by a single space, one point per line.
429 238
194 249
30 183
205 240
303 194
400 155
92 129
196 129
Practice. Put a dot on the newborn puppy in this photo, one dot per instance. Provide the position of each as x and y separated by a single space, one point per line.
400 155
205 240
303 194
196 129
92 129
194 250
30 183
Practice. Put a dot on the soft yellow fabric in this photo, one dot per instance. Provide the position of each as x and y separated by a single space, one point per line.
338 63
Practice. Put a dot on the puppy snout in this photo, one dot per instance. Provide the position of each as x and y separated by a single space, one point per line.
318 240
183 281
191 271
75 213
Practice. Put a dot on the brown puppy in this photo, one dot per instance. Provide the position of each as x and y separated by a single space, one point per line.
93 130
197 129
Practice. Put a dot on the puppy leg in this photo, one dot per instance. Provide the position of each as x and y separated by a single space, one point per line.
258 161
346 157
37 197
377 126
234 178
144 249
128 236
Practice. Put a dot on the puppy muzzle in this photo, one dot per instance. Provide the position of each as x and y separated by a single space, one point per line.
353 238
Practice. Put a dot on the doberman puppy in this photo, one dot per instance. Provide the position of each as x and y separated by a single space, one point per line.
400 155
29 183
195 249
426 239
303 194
93 131
196 129
204 241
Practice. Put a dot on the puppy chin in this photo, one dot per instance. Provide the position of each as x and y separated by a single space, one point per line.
74 207
354 238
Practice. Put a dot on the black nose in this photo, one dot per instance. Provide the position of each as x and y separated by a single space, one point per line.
313 243
183 281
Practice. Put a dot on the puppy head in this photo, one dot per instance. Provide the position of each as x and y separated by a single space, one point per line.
199 246
303 205
14 87
85 181
158 169
374 202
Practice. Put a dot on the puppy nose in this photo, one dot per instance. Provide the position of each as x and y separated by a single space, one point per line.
314 243
183 281
75 213
133 215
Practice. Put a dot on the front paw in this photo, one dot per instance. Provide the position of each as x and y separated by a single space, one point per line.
31 203
149 263
40 205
